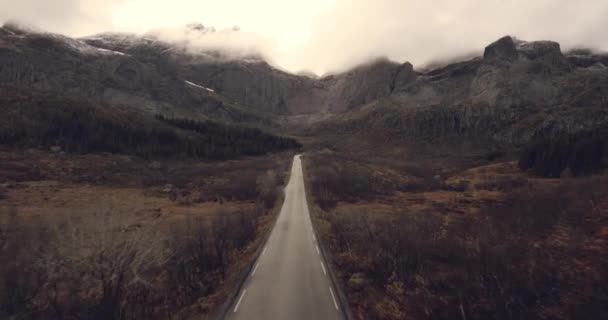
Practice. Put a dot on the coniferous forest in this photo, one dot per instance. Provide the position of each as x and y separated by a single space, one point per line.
86 129
580 154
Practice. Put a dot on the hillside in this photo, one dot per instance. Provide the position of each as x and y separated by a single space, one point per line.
60 65
475 188
48 121
516 93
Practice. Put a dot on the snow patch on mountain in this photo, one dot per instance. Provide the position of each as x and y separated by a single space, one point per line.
199 86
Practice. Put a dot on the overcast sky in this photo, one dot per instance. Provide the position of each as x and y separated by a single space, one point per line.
330 35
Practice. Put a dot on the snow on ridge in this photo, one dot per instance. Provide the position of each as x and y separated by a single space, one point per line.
198 86
84 47
112 52
10 32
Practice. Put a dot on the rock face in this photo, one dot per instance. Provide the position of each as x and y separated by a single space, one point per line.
53 63
365 84
155 76
253 83
515 92
518 91
503 49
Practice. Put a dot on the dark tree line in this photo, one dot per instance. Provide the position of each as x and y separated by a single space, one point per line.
242 140
583 154
85 129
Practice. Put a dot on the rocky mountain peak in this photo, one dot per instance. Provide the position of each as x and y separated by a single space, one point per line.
539 49
503 49
147 73
14 28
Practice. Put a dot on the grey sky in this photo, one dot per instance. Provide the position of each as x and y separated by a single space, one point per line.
329 35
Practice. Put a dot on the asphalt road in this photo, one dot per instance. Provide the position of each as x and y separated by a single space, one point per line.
289 281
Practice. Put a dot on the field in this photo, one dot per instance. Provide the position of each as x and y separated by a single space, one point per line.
118 236
473 240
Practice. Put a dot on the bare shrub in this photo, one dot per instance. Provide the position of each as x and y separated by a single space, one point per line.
115 265
243 225
503 183
238 187
201 250
268 188
503 264
22 273
192 267
421 185
334 179
113 252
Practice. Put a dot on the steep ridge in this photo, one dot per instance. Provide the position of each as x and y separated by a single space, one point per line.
153 75
46 62
515 92
518 91
251 81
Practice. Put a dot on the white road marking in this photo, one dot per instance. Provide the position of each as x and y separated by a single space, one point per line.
255 269
333 298
313 237
323 267
241 298
318 252
263 252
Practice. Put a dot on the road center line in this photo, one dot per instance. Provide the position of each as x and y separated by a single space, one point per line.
318 252
255 269
333 298
241 298
323 267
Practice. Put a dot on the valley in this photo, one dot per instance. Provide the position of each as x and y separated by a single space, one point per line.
140 178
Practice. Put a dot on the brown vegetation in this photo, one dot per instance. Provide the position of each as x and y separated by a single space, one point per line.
103 236
483 243
105 265
338 179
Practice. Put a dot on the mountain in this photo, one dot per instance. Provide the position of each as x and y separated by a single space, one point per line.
59 92
252 82
516 92
45 62
150 74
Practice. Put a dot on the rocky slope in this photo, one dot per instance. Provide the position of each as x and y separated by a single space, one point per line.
148 73
515 92
252 82
43 62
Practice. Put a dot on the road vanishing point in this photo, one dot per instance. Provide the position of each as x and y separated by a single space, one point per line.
289 280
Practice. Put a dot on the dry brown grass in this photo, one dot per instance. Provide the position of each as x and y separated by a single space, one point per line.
231 201
432 252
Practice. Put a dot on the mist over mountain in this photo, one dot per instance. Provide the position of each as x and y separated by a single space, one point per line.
330 36
513 81
441 167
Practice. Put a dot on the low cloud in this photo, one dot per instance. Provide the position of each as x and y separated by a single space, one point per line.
232 42
72 17
322 37
427 31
